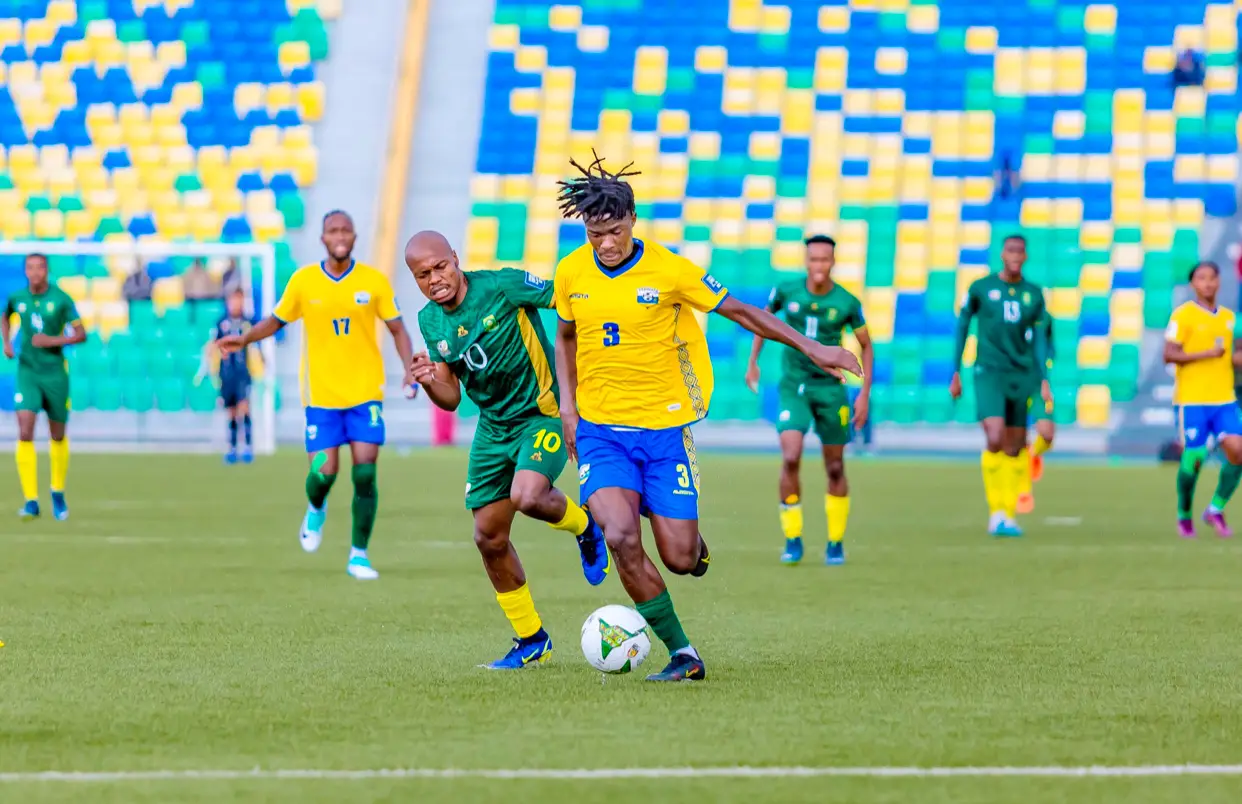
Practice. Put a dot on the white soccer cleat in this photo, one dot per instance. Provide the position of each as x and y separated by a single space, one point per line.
360 568
311 534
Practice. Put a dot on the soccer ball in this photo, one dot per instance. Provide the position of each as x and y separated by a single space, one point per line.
615 639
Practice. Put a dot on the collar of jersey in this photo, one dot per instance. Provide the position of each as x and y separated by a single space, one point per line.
630 262
323 267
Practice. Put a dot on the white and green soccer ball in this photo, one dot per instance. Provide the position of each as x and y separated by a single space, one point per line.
615 639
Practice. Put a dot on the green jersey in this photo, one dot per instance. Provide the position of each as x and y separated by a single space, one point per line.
1011 330
820 317
496 345
48 313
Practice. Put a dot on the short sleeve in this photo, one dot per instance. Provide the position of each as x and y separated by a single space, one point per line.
560 292
696 287
525 289
289 308
857 321
71 311
385 300
1176 331
970 302
427 330
776 300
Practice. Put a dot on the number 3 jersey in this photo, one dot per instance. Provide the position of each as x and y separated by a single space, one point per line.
342 366
496 345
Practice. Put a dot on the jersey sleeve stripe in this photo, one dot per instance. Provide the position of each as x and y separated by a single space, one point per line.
720 302
539 362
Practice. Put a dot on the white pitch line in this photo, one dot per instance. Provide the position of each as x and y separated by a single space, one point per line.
570 774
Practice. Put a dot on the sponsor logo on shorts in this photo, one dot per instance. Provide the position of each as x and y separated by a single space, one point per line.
312 431
489 323
712 283
17 397
648 296
584 471
362 297
784 416
443 348
534 281
468 486
1191 432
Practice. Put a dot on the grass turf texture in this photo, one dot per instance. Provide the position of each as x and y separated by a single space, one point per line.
174 623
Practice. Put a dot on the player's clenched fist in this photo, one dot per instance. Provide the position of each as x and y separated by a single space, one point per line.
422 370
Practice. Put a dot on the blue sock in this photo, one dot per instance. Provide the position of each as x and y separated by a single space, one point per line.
246 422
233 434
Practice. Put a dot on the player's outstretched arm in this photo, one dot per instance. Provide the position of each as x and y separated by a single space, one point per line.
264 329
567 379
959 343
832 359
437 379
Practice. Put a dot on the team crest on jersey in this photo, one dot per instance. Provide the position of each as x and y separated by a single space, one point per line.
794 307
814 307
1026 298
51 306
712 284
648 296
489 323
462 331
534 281
443 348
362 297
832 314
584 471
994 295
1013 292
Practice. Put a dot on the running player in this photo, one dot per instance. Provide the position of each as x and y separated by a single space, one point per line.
340 302
1200 343
484 334
1009 373
634 375
48 322
235 374
822 310
1032 459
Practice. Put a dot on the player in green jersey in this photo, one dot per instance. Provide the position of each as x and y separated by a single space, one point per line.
1010 366
822 310
483 334
48 322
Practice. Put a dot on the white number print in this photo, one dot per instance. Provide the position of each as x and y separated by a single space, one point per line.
1013 312
475 357
812 326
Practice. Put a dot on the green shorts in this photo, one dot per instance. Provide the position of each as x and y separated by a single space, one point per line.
46 391
1040 409
824 405
1012 397
498 452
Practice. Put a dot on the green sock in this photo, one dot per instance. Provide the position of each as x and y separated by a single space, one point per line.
317 483
366 503
1187 477
1230 474
659 614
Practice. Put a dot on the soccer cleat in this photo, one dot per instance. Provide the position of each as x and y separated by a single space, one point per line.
834 556
60 509
681 667
360 568
1026 503
311 533
1037 468
595 559
29 511
530 652
793 551
1186 528
705 559
247 456
230 457
1217 520
1007 529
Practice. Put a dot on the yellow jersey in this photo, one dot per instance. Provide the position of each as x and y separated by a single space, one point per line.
341 362
642 355
1198 329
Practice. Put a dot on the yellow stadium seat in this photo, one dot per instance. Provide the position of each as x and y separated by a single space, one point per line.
227 201
890 61
102 201
293 55
173 224
167 291
10 31
38 32
49 224
1094 406
131 204
76 53
80 224
280 96
834 19
1096 279
923 19
105 289
111 317
310 100
54 157
76 287
247 97
1094 351
62 182
981 39
188 96
206 225
305 168
243 158
1064 302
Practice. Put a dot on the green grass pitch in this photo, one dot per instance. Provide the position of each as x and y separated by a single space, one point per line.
174 624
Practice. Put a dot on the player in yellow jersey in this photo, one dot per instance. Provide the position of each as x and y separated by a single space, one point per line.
1200 343
340 302
634 374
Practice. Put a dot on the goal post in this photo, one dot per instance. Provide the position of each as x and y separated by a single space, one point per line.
140 379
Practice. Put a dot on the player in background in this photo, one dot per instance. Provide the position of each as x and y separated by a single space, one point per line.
483 334
48 322
1200 343
1010 367
1045 430
821 310
634 374
340 302
235 373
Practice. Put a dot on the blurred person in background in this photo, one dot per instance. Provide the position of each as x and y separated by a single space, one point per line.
235 372
1189 70
137 286
199 286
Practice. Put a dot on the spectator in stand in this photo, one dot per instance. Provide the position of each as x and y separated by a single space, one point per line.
1189 70
137 286
199 286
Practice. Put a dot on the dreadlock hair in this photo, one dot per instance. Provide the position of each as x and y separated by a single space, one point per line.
597 194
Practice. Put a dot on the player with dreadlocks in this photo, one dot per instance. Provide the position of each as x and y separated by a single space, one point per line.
634 375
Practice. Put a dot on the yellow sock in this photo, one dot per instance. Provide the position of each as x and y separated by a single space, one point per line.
992 480
28 469
1012 470
574 521
791 517
59 454
520 610
1024 472
1041 446
838 511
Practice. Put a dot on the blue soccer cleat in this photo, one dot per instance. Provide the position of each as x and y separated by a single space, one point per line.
230 457
1007 529
530 652
834 556
247 456
29 511
60 509
595 558
681 667
793 551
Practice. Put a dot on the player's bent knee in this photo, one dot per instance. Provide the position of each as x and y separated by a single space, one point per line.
836 470
491 543
363 476
525 499
622 538
791 465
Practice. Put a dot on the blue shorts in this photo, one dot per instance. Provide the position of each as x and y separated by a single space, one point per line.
332 427
1198 422
234 389
658 464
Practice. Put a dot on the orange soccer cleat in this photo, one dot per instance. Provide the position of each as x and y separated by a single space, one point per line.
1037 468
1026 503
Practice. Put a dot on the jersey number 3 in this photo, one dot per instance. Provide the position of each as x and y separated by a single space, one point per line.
612 334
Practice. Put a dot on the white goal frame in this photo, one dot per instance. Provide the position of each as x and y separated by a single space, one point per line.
265 253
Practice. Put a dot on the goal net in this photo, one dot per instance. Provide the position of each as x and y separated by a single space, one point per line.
137 383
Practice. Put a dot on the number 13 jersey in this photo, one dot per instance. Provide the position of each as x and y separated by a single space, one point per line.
342 366
642 356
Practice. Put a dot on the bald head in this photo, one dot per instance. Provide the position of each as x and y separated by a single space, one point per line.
433 263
